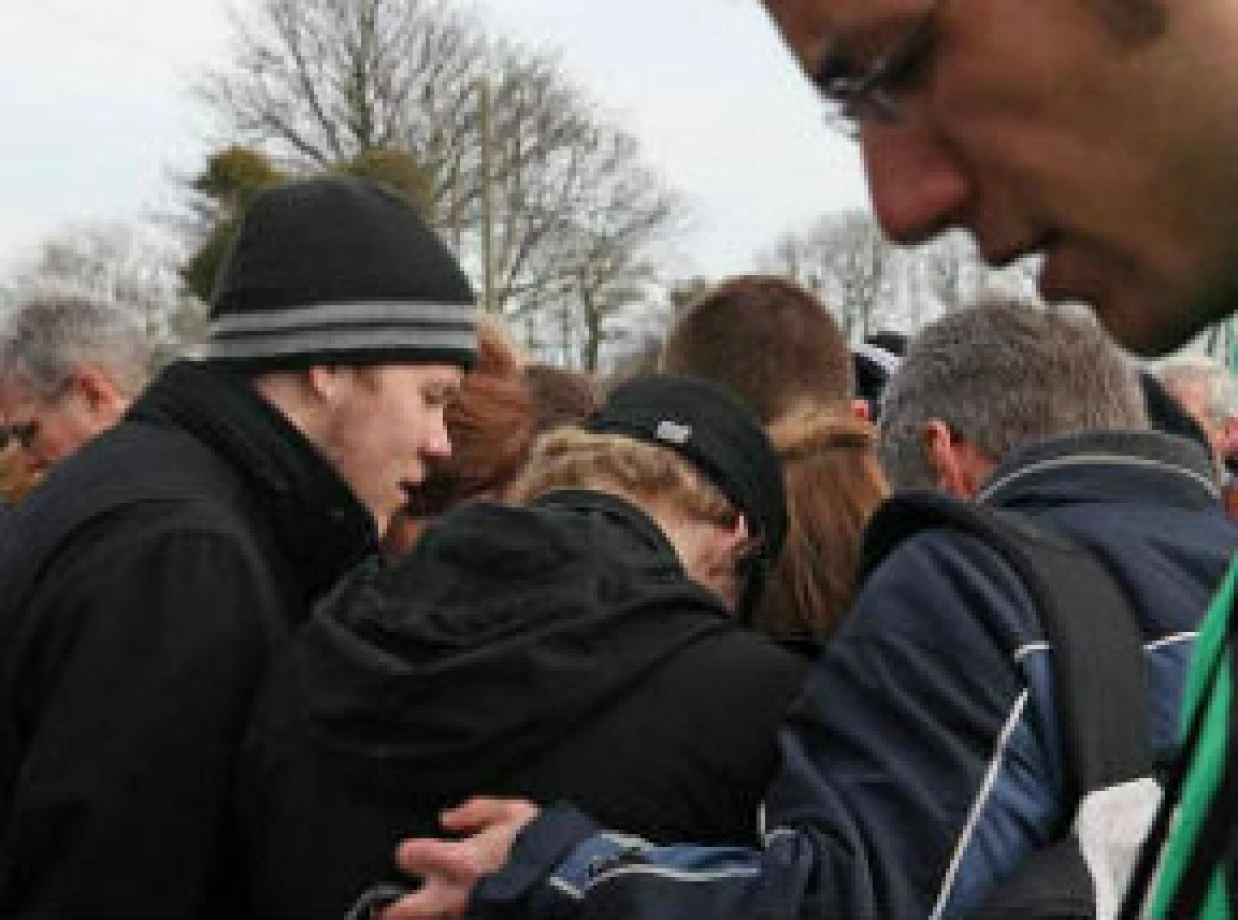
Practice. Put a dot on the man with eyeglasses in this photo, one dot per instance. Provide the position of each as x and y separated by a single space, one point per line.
71 365
1098 134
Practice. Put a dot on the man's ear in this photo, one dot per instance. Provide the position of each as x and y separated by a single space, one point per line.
99 394
739 536
324 381
952 459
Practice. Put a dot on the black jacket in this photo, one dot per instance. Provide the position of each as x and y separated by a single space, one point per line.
555 651
143 589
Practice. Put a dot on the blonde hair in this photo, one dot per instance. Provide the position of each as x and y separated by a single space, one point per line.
655 478
833 483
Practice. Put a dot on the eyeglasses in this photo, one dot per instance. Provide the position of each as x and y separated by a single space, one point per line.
22 434
873 96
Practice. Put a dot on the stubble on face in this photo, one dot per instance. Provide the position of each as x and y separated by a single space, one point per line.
1132 21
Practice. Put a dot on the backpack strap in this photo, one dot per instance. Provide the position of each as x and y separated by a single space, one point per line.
1097 647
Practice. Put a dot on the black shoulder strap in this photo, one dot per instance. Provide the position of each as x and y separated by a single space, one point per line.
1097 647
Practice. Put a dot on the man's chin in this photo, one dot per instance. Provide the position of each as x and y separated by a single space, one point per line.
1144 327
1136 320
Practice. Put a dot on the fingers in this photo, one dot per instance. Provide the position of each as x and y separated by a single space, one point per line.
434 859
432 901
449 869
479 813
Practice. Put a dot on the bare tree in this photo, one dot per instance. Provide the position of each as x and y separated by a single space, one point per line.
847 262
322 81
871 284
516 161
948 273
604 246
945 276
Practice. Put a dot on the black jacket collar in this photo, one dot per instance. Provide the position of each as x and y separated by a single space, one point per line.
1105 466
636 519
315 517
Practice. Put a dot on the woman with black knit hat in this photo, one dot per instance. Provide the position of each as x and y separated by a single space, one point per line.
584 645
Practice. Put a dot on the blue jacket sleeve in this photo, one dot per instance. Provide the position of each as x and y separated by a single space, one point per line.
915 773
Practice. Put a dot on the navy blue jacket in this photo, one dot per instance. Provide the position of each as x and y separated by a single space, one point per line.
922 763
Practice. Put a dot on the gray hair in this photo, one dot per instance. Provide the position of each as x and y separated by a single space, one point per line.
48 333
1207 376
1004 374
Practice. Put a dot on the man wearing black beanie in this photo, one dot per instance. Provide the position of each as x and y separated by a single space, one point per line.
145 586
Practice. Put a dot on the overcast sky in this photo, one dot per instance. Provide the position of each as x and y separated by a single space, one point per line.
97 120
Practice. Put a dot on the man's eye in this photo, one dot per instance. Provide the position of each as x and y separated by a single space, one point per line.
438 397
906 71
22 434
908 66
835 77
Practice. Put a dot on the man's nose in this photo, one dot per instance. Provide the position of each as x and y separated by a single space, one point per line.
439 443
917 187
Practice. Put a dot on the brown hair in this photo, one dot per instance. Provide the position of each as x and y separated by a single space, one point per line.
833 484
562 396
497 351
655 478
491 424
768 340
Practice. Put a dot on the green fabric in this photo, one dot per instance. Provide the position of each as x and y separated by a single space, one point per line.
1209 759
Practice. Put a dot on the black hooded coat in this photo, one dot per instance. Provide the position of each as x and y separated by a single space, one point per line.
557 651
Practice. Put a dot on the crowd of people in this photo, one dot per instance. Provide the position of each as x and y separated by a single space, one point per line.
361 612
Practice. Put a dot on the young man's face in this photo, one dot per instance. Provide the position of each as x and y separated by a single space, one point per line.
1102 133
384 427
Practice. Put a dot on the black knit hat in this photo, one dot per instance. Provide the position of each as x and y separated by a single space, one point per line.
875 361
339 270
723 438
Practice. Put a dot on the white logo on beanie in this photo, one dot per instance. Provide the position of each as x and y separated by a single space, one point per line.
673 432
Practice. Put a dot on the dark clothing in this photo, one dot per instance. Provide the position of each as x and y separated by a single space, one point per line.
143 588
922 763
548 651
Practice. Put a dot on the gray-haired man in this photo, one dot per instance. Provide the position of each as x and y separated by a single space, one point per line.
1204 387
70 365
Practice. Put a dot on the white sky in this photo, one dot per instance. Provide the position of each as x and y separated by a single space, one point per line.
97 119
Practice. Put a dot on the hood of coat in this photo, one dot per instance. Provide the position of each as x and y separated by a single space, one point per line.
503 630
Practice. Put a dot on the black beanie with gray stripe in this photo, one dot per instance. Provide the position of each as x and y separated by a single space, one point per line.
339 270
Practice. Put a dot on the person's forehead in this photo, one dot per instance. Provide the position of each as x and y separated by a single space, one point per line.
427 374
813 27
